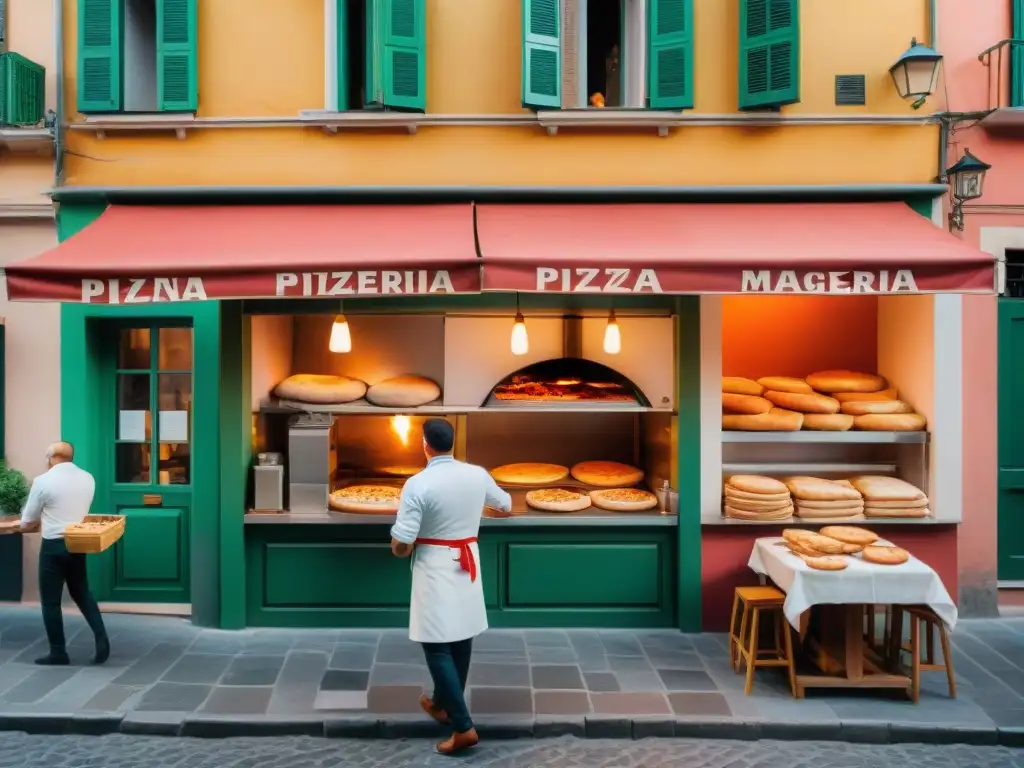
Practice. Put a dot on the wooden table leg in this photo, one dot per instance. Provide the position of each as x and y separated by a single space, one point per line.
854 644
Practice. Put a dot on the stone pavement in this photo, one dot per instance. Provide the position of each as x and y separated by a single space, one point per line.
167 677
21 751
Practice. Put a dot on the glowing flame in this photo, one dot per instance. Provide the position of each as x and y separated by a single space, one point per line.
401 425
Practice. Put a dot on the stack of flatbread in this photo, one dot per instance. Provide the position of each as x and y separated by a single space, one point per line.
820 500
753 497
890 497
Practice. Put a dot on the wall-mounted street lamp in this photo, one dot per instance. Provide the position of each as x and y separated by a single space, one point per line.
916 73
966 182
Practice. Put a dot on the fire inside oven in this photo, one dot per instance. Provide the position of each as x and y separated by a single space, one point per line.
566 382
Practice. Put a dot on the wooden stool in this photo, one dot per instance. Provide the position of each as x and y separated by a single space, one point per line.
922 617
747 606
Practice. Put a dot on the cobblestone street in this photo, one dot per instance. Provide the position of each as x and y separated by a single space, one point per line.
18 750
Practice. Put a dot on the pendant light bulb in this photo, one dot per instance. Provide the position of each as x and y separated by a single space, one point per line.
520 342
612 336
341 337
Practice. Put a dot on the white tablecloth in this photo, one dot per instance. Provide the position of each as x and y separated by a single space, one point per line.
912 583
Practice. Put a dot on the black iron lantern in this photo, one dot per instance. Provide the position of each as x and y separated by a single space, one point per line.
916 73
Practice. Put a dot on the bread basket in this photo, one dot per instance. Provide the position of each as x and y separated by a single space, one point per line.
94 534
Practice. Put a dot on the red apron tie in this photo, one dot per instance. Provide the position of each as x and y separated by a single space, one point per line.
466 559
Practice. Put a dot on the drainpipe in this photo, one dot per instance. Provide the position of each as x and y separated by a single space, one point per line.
58 128
933 24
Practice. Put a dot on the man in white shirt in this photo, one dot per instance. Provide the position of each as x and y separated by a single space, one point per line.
61 497
439 517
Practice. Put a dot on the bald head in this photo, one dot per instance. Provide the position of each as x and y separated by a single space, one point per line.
60 452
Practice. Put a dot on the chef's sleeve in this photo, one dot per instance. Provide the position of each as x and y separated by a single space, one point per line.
33 510
496 497
410 515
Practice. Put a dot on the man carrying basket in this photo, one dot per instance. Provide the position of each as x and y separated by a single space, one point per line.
61 497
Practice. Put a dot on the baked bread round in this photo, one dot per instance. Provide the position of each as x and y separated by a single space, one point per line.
321 389
849 534
845 381
863 407
785 384
757 506
885 555
884 488
826 562
606 474
558 500
529 473
905 504
744 404
885 394
405 391
624 499
807 517
774 515
756 484
890 422
828 422
803 403
737 385
760 498
365 499
820 489
890 512
832 513
776 420
830 504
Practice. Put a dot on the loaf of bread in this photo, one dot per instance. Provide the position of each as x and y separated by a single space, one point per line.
406 391
785 384
803 402
885 394
748 404
776 420
862 408
828 422
819 489
737 385
320 389
884 488
845 381
890 422
758 484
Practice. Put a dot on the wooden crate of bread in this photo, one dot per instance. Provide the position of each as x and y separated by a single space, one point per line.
94 534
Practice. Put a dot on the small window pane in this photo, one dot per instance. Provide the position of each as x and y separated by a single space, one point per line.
175 464
133 416
133 349
132 463
175 349
175 406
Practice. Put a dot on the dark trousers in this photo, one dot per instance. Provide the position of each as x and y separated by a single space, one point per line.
58 567
449 668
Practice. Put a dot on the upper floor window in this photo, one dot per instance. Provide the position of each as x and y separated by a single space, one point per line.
769 50
137 56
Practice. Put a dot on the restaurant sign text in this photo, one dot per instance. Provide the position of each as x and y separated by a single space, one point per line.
838 281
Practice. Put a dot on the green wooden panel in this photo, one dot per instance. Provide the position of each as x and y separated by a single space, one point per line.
583 575
177 72
336 574
670 54
490 567
153 546
99 55
341 55
74 217
376 13
542 54
769 53
689 574
1011 440
405 55
1017 56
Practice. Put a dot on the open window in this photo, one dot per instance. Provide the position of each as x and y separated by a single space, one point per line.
601 48
137 56
381 55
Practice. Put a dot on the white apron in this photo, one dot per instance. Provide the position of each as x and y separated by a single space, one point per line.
446 606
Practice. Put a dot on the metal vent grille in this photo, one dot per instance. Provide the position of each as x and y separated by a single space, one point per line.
1014 274
850 91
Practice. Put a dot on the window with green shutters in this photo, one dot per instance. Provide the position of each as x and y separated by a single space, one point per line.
542 54
1017 56
670 54
769 51
137 56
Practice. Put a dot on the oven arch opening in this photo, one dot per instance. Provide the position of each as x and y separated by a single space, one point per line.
570 380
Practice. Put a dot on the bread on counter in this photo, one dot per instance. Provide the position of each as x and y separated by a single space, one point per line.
865 407
828 422
749 404
737 385
785 384
803 402
890 422
776 420
886 394
845 381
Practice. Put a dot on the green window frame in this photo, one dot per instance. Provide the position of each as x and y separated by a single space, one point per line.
101 40
1017 56
769 53
396 55
542 54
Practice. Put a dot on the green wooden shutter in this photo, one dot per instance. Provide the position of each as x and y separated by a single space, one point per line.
769 50
542 54
3 25
341 54
1017 56
99 55
376 13
177 75
670 54
405 55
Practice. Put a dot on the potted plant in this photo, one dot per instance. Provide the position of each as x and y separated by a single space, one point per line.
13 493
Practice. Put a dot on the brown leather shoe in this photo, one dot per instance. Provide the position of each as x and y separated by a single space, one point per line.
434 711
459 742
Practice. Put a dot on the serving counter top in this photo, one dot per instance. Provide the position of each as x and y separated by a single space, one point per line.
591 517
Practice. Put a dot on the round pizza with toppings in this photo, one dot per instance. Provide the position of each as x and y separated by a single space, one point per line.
366 499
624 499
557 500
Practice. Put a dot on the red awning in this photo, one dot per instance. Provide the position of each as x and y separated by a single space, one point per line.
725 248
141 254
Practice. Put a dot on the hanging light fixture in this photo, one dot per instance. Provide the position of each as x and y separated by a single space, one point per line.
341 337
612 336
520 342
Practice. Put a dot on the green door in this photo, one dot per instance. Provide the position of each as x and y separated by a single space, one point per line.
1011 440
146 473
